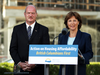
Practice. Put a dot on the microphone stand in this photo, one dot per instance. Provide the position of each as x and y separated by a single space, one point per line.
46 67
76 68
54 40
63 69
63 66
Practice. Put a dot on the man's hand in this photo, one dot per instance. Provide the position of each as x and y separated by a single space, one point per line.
23 65
29 66
80 55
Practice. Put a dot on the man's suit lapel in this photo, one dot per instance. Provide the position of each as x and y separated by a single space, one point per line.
24 30
35 31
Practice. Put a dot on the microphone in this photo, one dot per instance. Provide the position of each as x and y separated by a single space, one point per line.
63 32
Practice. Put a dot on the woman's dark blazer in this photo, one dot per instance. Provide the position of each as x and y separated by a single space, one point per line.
83 40
19 47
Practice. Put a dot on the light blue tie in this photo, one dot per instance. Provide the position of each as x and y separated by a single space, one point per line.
29 32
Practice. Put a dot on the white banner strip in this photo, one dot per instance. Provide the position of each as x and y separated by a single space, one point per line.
53 60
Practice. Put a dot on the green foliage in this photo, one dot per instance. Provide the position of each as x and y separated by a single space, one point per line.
6 67
93 69
53 69
94 62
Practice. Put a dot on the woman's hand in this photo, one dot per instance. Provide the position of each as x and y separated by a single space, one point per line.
80 55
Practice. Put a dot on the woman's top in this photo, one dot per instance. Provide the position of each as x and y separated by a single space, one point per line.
70 40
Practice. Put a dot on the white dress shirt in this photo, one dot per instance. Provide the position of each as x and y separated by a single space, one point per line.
32 26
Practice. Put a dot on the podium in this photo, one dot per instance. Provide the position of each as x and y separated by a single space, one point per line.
46 69
64 70
53 54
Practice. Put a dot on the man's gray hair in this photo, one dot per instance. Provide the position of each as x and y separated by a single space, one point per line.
30 5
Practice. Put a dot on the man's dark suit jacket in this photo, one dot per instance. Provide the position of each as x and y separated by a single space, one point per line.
83 40
19 47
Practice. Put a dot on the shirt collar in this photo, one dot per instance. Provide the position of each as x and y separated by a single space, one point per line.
32 25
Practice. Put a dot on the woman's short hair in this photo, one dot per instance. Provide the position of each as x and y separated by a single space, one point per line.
76 15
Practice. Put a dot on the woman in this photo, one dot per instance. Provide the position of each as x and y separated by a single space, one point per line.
75 37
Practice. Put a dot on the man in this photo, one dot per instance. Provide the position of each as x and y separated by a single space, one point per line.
25 34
